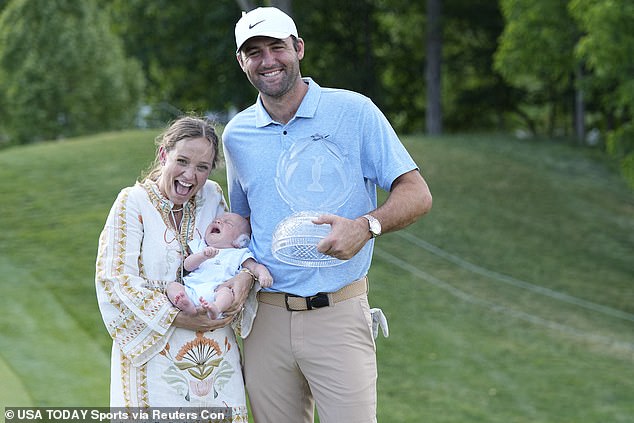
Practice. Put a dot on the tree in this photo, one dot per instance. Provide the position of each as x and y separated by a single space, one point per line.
285 5
476 97
433 117
62 71
535 55
246 5
401 63
186 52
472 95
340 44
607 48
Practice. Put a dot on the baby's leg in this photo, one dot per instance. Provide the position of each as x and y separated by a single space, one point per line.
178 297
222 300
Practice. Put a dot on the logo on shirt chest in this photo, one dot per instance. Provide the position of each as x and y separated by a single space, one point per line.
313 174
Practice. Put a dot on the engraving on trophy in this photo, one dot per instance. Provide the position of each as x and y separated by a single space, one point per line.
303 172
315 186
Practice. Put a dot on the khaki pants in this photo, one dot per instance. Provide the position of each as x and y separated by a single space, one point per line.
324 356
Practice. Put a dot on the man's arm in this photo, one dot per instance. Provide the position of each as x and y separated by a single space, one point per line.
409 199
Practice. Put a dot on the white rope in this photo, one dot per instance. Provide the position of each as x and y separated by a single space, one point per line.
599 308
586 336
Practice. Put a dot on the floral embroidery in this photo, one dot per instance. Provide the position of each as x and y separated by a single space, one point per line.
201 356
199 367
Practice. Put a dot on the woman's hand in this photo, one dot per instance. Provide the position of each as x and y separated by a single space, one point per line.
200 321
241 285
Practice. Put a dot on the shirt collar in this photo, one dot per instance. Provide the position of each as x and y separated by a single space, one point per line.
307 108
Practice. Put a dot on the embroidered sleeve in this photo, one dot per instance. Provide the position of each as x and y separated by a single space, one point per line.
136 311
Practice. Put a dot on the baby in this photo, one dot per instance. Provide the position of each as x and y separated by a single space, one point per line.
218 257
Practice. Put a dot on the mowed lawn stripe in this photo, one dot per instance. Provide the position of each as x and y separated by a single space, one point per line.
12 390
53 359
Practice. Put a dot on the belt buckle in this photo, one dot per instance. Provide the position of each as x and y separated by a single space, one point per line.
318 300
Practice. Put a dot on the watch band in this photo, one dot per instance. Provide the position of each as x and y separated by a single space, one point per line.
374 225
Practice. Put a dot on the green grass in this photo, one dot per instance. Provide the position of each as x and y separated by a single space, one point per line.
512 301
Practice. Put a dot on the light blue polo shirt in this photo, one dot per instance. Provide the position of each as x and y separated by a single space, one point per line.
329 158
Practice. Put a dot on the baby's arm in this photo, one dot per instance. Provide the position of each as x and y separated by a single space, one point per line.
260 271
193 261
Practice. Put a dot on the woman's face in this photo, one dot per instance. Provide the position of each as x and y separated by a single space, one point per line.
185 168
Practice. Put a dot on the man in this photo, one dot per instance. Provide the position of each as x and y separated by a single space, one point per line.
302 148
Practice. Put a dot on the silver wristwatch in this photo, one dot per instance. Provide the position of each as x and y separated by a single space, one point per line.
375 225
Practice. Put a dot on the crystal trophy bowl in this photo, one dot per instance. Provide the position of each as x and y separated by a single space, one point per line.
295 241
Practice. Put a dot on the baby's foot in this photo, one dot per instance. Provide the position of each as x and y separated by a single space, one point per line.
181 301
212 309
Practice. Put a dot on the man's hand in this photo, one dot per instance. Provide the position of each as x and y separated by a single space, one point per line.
346 238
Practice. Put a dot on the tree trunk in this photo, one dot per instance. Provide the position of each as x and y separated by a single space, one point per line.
245 5
433 115
285 5
580 109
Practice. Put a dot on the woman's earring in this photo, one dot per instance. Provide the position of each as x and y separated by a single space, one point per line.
161 156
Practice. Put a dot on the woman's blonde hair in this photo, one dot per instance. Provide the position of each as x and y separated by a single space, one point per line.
186 127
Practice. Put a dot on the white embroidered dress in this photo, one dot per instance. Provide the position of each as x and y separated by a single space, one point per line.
155 364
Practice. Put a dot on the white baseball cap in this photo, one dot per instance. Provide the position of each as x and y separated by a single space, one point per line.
264 22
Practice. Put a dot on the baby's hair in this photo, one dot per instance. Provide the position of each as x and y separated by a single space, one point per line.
242 241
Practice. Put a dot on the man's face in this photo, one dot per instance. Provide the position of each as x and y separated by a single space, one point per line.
271 65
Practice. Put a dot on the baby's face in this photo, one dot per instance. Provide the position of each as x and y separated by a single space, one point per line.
223 231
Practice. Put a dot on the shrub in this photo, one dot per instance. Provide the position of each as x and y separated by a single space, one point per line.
63 72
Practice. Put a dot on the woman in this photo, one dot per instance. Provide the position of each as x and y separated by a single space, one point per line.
160 356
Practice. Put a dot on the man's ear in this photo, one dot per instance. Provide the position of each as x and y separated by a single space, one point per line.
300 48
239 59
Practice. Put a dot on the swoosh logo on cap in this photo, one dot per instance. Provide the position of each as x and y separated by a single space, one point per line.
251 26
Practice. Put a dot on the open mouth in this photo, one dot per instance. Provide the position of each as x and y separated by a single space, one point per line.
182 188
215 228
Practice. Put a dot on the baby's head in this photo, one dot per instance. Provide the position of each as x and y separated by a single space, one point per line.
227 231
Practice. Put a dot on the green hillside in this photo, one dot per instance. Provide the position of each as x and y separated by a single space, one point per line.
512 301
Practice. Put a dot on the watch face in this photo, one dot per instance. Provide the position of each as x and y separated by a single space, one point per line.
375 225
